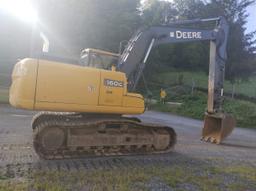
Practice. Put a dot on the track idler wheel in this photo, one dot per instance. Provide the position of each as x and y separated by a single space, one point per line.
49 140
217 127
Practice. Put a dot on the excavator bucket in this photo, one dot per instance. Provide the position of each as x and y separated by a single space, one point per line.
217 127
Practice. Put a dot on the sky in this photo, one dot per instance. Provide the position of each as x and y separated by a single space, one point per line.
26 15
251 25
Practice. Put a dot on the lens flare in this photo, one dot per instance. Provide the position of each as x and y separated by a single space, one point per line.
23 10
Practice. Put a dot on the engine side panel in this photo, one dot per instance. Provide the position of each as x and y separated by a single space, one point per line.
67 84
53 86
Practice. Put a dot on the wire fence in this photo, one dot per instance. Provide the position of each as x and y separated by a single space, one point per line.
199 81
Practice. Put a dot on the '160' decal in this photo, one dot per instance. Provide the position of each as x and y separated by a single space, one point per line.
113 83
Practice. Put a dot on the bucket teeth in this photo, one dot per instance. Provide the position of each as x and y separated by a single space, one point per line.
213 140
210 139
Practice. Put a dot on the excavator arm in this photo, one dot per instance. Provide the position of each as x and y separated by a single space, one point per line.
217 124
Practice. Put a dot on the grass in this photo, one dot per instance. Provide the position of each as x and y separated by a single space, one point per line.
208 178
5 79
243 171
195 106
4 95
200 79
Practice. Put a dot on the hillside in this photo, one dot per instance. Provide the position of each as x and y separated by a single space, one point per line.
200 79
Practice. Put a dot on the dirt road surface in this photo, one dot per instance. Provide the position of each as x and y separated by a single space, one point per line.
18 159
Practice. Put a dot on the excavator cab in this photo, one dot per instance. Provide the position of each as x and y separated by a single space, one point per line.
95 58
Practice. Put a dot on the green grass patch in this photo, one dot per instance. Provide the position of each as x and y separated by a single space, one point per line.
13 185
195 106
200 79
208 178
243 171
4 95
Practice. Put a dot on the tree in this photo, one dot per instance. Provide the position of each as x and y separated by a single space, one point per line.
241 46
241 62
155 12
73 25
183 56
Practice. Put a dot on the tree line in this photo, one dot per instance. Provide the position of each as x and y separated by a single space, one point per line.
73 25
241 62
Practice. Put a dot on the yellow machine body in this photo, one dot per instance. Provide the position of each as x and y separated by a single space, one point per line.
53 86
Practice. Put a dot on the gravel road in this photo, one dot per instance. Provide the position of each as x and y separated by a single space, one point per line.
17 156
16 137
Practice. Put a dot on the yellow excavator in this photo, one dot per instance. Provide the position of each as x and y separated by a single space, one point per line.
84 105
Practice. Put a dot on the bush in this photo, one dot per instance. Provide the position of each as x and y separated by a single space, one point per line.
195 106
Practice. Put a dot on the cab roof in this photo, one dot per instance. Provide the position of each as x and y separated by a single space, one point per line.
92 50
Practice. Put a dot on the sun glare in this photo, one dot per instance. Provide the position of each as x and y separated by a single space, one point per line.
23 10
